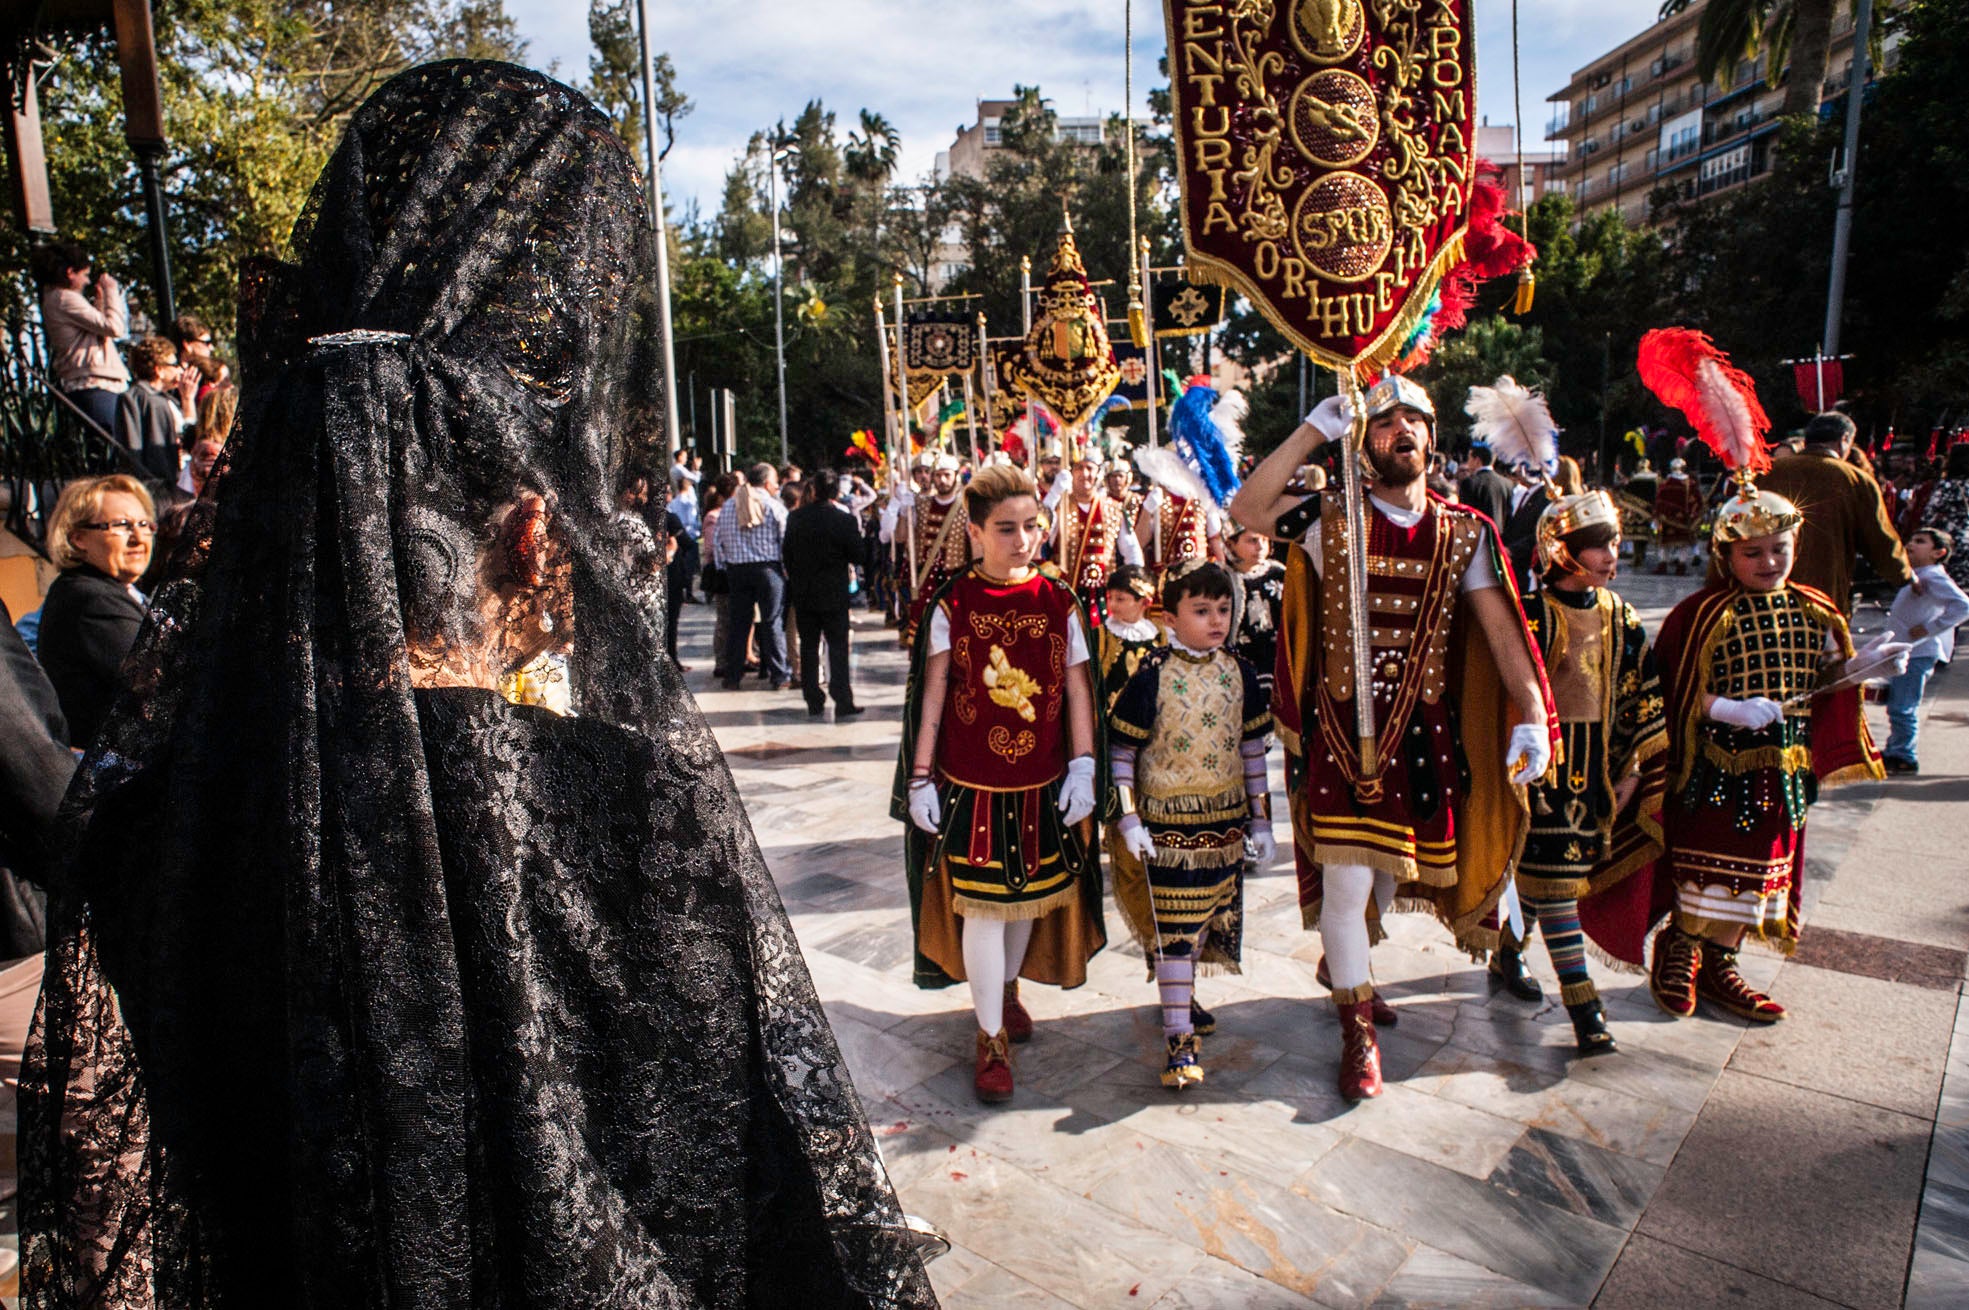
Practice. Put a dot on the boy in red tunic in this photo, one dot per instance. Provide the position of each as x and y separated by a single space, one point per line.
1440 812
996 778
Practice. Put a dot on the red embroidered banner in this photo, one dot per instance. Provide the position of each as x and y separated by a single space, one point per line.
1819 384
1326 154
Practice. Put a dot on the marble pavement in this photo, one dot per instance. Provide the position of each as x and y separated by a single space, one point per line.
1824 1162
1497 1171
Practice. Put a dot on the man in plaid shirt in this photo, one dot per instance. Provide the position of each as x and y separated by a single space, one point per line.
751 531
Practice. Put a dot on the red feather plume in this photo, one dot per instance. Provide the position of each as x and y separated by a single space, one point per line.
1685 370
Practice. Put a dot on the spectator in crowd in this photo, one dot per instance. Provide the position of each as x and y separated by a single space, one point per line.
823 543
101 538
1483 489
1946 506
1520 527
83 316
717 584
150 414
751 531
1927 618
194 342
1441 487
1844 513
688 510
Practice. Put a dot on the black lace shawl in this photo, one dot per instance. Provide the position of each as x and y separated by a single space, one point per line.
366 993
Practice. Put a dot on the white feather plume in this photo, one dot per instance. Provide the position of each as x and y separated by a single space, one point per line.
1165 468
1515 423
1723 402
1228 414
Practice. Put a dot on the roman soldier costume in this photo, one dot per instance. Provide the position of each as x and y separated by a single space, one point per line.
1432 814
1611 727
1003 851
1185 528
942 545
1089 540
1678 509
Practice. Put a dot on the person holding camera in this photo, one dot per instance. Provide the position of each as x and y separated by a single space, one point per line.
83 313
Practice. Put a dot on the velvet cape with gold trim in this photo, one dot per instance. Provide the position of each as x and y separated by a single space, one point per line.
1635 737
1620 919
1063 940
1492 816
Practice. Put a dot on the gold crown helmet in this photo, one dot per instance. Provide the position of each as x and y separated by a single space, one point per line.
1565 516
1395 390
1753 513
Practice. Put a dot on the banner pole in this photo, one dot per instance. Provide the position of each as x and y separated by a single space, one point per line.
902 397
1356 556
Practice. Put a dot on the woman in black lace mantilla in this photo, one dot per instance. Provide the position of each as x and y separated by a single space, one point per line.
375 981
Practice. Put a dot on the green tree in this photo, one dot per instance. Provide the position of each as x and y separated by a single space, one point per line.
1487 348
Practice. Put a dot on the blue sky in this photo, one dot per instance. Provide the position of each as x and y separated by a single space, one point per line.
925 63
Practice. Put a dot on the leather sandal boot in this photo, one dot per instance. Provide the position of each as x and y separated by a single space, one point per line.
1385 1015
1507 970
1018 1021
1360 1054
1185 1067
993 1080
1672 975
1589 1018
1719 983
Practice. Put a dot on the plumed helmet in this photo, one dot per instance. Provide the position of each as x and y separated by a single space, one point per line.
1753 513
1568 515
1396 390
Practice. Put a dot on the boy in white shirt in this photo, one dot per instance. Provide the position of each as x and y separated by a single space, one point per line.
1928 618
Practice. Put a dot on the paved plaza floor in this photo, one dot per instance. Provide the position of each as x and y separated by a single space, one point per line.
1822 1162
1708 1163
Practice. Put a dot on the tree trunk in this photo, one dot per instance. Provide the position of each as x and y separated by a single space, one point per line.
1811 54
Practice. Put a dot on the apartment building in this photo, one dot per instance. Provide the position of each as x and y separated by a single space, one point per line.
1638 120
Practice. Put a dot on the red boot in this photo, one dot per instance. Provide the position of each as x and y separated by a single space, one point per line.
1360 1054
1384 1013
1719 983
993 1082
1018 1022
1672 976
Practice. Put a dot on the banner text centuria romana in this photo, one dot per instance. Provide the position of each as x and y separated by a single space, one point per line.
1326 154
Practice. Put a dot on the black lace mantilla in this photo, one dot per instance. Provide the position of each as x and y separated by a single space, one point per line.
368 987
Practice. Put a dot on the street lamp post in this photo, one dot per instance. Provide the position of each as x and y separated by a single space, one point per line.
1842 228
662 228
779 305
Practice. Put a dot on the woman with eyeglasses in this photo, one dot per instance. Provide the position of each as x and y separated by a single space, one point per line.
101 536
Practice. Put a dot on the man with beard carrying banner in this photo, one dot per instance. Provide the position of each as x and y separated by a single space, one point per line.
1327 174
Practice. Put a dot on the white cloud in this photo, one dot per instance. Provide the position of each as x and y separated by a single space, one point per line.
924 63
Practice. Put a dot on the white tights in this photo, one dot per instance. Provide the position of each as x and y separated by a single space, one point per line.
1343 918
993 951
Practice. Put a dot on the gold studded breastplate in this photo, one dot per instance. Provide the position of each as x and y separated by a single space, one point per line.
1413 579
1772 644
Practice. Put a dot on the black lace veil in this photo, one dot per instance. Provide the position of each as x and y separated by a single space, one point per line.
367 986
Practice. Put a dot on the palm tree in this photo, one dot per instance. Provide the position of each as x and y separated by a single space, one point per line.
1795 31
872 152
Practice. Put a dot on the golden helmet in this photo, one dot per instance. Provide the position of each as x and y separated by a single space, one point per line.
1567 515
1395 390
1753 513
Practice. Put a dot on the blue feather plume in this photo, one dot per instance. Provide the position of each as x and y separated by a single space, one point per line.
1200 442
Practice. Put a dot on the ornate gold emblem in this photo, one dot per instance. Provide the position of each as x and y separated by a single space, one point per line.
1327 31
1334 118
1066 362
1004 743
1190 308
1009 685
1343 227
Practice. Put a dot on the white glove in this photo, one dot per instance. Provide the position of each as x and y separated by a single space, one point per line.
1077 792
1264 846
1135 838
1332 418
925 811
1530 744
1755 713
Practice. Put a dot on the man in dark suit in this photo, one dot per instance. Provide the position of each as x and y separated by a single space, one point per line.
1482 489
823 541
1520 524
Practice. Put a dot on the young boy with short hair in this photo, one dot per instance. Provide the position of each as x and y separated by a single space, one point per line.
1928 618
1187 749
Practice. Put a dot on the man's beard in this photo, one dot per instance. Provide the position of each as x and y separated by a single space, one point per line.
1392 470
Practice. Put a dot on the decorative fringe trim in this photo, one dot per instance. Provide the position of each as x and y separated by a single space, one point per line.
1402 867
1353 995
1868 771
1012 911
1229 856
1537 886
1598 953
1791 759
1193 807
1578 993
